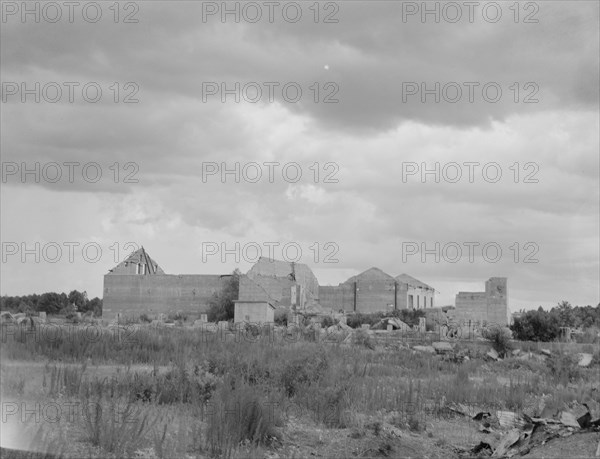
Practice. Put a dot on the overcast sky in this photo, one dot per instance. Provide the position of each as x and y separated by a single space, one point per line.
362 116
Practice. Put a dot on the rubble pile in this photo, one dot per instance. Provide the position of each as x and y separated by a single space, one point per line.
521 433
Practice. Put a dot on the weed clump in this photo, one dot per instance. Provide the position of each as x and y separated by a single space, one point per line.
500 338
362 338
302 371
564 368
117 427
178 385
242 415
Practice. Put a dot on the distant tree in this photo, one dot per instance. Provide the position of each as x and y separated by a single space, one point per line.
50 303
79 299
221 306
536 326
565 315
25 308
69 311
95 305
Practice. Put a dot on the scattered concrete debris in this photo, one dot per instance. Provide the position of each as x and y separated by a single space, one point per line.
390 323
344 326
7 317
546 352
492 354
585 360
482 415
527 433
568 419
510 419
429 349
507 441
442 347
482 449
585 420
486 427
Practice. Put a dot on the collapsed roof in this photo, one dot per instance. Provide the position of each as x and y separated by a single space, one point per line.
139 258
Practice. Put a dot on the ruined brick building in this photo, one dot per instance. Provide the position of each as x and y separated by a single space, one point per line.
139 286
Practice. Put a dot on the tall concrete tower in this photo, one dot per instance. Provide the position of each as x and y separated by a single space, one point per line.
496 290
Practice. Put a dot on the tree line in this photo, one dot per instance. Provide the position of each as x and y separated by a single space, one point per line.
540 325
52 303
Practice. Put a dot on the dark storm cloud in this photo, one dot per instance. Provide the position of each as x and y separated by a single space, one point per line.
370 53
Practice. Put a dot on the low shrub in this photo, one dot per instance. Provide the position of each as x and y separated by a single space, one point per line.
327 321
500 338
302 372
144 318
329 405
176 317
564 368
63 380
281 318
178 385
364 339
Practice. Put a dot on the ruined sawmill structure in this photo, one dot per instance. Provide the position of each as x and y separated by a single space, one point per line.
138 285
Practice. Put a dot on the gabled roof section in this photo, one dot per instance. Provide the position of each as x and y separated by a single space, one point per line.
139 262
371 274
406 279
297 272
274 268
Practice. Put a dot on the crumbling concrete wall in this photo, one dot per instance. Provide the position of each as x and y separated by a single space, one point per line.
376 291
251 291
139 286
337 297
254 312
266 267
374 295
132 295
490 306
422 298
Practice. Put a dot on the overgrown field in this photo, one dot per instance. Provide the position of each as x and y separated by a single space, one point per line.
169 392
